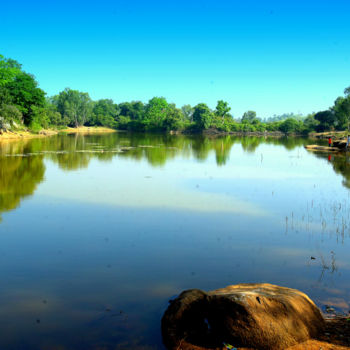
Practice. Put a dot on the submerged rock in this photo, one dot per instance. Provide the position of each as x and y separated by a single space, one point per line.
258 316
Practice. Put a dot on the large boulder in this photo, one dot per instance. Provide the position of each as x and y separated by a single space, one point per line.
258 316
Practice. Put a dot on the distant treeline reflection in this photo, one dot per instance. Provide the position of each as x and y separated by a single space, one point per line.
22 163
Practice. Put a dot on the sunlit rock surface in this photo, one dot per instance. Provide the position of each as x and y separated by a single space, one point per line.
259 316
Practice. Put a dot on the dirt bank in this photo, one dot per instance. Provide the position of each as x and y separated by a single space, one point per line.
88 130
18 135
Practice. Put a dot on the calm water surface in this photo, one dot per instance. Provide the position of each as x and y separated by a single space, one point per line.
98 232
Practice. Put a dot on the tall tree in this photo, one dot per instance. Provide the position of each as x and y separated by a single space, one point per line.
134 110
326 120
105 113
202 116
341 110
105 107
26 94
75 105
156 112
187 111
222 109
174 118
249 117
9 69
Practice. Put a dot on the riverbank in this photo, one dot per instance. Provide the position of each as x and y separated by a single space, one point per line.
216 132
336 135
25 134
88 130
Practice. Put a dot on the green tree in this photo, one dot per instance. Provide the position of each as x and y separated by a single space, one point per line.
174 118
26 95
55 117
135 110
249 117
222 109
291 125
104 113
156 112
202 116
326 120
9 69
310 123
187 112
105 107
341 111
40 118
74 105
10 117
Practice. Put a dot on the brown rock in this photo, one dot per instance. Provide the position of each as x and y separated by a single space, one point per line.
259 316
185 318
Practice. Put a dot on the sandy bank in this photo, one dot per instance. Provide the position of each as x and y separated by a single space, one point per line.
19 135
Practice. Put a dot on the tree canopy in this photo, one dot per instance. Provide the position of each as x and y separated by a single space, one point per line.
23 104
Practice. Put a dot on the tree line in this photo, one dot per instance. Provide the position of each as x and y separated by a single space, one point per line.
24 104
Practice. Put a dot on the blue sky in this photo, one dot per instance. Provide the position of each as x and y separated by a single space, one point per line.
269 56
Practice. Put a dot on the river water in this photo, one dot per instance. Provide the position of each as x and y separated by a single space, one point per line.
98 232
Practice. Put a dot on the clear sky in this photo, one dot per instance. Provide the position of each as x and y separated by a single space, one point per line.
270 56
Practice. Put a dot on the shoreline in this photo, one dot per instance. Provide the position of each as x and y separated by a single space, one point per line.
24 135
85 130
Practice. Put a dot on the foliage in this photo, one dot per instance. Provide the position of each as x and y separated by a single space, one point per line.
134 110
310 123
74 105
9 69
222 109
291 125
326 120
10 113
25 95
22 101
249 117
187 112
156 113
39 119
202 116
276 118
341 110
104 113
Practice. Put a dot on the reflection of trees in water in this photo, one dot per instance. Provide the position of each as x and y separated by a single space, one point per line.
73 152
222 147
340 164
251 143
19 176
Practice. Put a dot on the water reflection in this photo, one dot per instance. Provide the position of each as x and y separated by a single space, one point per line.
19 175
73 152
121 223
340 163
22 163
